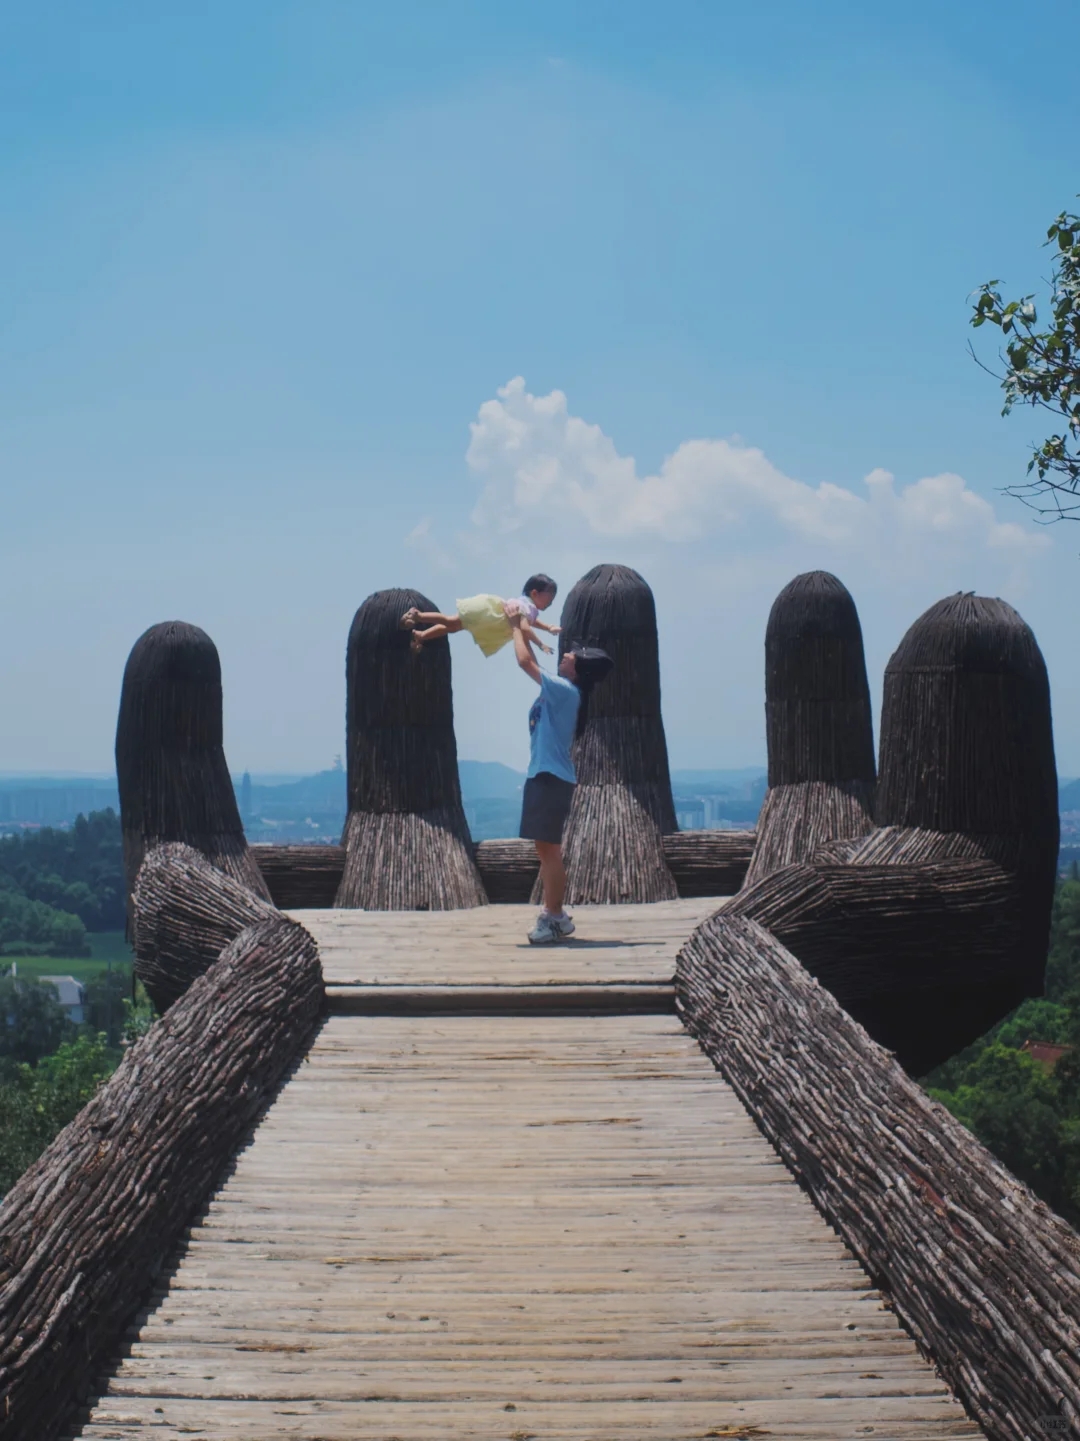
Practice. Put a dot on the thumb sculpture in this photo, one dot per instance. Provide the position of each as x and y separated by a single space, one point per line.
406 839
968 770
935 924
173 780
622 805
818 725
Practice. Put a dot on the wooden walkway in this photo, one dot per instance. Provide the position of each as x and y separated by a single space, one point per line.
512 1223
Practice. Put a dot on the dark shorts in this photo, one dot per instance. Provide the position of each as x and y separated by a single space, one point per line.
545 804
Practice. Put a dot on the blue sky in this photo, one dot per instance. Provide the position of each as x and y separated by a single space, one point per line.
265 264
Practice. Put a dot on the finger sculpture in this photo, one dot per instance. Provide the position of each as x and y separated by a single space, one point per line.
170 763
622 806
406 839
818 726
935 924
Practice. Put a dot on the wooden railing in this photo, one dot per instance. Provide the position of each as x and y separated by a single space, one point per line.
87 1228
704 863
984 1275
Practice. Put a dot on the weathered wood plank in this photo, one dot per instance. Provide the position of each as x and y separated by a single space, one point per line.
488 946
571 1216
499 1000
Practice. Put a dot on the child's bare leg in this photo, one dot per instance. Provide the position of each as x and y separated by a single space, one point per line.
448 625
414 619
432 632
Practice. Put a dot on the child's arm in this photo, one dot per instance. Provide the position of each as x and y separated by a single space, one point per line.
551 629
530 635
525 658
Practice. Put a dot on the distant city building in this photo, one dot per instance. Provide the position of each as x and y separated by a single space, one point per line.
71 995
53 803
245 797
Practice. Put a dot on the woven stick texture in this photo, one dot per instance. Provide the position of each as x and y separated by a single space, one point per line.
185 912
906 845
406 839
985 1276
704 863
817 700
797 820
622 808
613 848
923 955
966 736
170 763
301 877
967 746
87 1228
709 863
508 869
402 861
818 724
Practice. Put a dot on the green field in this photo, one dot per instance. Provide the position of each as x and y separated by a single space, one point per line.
105 946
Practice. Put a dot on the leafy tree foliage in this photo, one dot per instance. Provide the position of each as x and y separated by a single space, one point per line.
32 1020
24 922
80 871
1030 1117
38 1101
108 1005
1042 369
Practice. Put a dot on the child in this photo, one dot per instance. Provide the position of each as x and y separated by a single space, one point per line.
490 620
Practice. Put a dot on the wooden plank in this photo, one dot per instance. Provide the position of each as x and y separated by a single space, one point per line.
510 1226
551 1000
488 946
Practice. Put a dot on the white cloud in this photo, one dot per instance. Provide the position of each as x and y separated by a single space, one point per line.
536 460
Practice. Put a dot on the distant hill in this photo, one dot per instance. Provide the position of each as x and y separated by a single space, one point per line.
738 780
1069 795
312 807
489 781
718 797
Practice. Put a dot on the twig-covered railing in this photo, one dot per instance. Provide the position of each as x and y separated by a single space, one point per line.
983 1274
89 1225
185 912
704 863
301 877
709 863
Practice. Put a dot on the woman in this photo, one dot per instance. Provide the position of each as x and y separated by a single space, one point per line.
556 717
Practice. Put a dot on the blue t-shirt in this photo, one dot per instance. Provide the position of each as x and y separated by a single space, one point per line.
551 727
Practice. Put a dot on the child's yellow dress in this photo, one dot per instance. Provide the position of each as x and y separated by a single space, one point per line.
485 619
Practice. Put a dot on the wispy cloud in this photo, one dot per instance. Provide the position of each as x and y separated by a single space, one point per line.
420 539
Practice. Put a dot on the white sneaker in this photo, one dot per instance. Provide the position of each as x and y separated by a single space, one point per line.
549 930
544 932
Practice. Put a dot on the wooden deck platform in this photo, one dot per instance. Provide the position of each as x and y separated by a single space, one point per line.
514 1224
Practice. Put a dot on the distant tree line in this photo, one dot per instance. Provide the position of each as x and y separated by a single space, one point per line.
56 885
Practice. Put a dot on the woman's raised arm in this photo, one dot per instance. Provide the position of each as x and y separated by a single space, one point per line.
525 658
